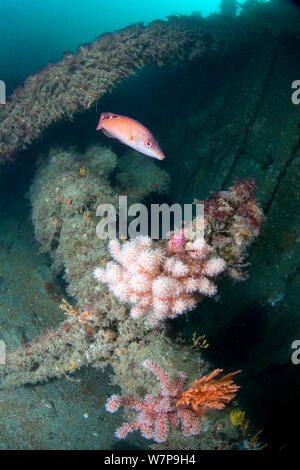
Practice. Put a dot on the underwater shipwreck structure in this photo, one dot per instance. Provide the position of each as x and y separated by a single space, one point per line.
100 331
111 320
74 83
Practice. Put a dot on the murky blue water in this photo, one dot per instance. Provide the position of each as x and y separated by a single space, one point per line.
223 115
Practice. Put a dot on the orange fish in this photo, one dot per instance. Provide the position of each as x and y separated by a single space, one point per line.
131 133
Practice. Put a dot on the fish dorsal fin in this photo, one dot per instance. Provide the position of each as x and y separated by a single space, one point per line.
107 133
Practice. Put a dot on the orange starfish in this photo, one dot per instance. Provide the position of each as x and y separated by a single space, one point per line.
210 393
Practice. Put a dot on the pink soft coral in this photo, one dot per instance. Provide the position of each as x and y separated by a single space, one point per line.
158 283
157 415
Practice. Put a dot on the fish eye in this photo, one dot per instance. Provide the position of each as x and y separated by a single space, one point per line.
148 143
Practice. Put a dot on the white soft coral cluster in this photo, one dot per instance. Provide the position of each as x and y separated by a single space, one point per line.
160 284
